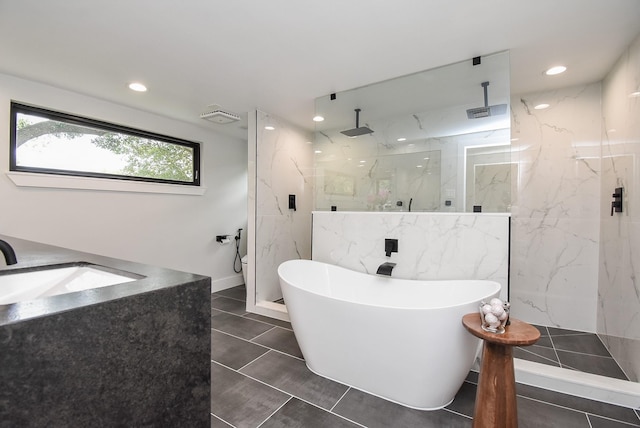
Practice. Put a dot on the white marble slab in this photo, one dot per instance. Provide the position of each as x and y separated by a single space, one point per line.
555 207
430 245
619 274
283 166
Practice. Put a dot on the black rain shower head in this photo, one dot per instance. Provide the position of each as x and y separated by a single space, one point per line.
487 110
358 130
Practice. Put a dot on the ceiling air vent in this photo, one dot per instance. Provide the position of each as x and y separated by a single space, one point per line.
216 115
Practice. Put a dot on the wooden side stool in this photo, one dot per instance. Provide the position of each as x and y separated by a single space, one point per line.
495 405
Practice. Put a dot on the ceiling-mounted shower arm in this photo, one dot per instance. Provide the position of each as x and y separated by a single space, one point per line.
486 110
357 117
486 93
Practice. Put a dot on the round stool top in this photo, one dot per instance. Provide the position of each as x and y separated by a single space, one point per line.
517 333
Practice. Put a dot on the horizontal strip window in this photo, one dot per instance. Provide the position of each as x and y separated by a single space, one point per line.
50 142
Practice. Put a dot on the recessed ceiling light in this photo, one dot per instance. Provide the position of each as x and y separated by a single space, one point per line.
541 106
418 166
269 127
318 151
363 161
318 118
555 70
634 94
425 158
401 139
137 86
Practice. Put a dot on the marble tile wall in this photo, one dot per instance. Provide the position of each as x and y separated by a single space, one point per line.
488 178
430 245
619 274
555 207
283 160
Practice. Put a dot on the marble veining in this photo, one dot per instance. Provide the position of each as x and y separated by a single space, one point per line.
431 246
555 218
619 286
284 163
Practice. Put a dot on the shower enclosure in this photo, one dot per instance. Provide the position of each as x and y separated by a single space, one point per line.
571 262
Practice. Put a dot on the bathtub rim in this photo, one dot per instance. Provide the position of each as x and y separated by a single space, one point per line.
399 280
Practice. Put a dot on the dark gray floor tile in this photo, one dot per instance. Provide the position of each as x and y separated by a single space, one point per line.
237 325
281 339
535 414
239 293
298 414
542 329
268 320
555 331
226 304
584 343
598 422
591 364
465 399
240 401
472 377
233 352
217 423
374 412
545 341
292 376
582 404
537 354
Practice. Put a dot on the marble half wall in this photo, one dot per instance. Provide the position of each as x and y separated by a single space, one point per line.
619 274
555 207
431 246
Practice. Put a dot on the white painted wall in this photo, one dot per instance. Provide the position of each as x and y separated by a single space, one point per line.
175 231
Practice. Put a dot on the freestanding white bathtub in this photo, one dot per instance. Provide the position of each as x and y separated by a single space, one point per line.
401 340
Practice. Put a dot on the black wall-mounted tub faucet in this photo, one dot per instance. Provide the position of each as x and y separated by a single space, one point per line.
390 246
385 269
9 254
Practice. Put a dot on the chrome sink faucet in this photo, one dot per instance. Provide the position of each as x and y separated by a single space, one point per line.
9 254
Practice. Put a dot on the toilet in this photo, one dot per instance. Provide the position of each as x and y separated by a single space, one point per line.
244 260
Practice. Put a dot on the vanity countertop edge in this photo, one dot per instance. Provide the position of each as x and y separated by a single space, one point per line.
32 255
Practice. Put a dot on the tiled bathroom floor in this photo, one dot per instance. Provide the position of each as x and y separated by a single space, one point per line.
259 379
571 349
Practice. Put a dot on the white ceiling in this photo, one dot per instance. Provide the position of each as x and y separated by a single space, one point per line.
279 55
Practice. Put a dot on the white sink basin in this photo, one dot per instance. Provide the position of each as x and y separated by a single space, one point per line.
30 285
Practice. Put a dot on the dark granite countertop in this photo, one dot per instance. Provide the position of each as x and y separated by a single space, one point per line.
32 255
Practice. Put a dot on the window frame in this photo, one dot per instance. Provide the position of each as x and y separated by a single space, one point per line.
18 107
